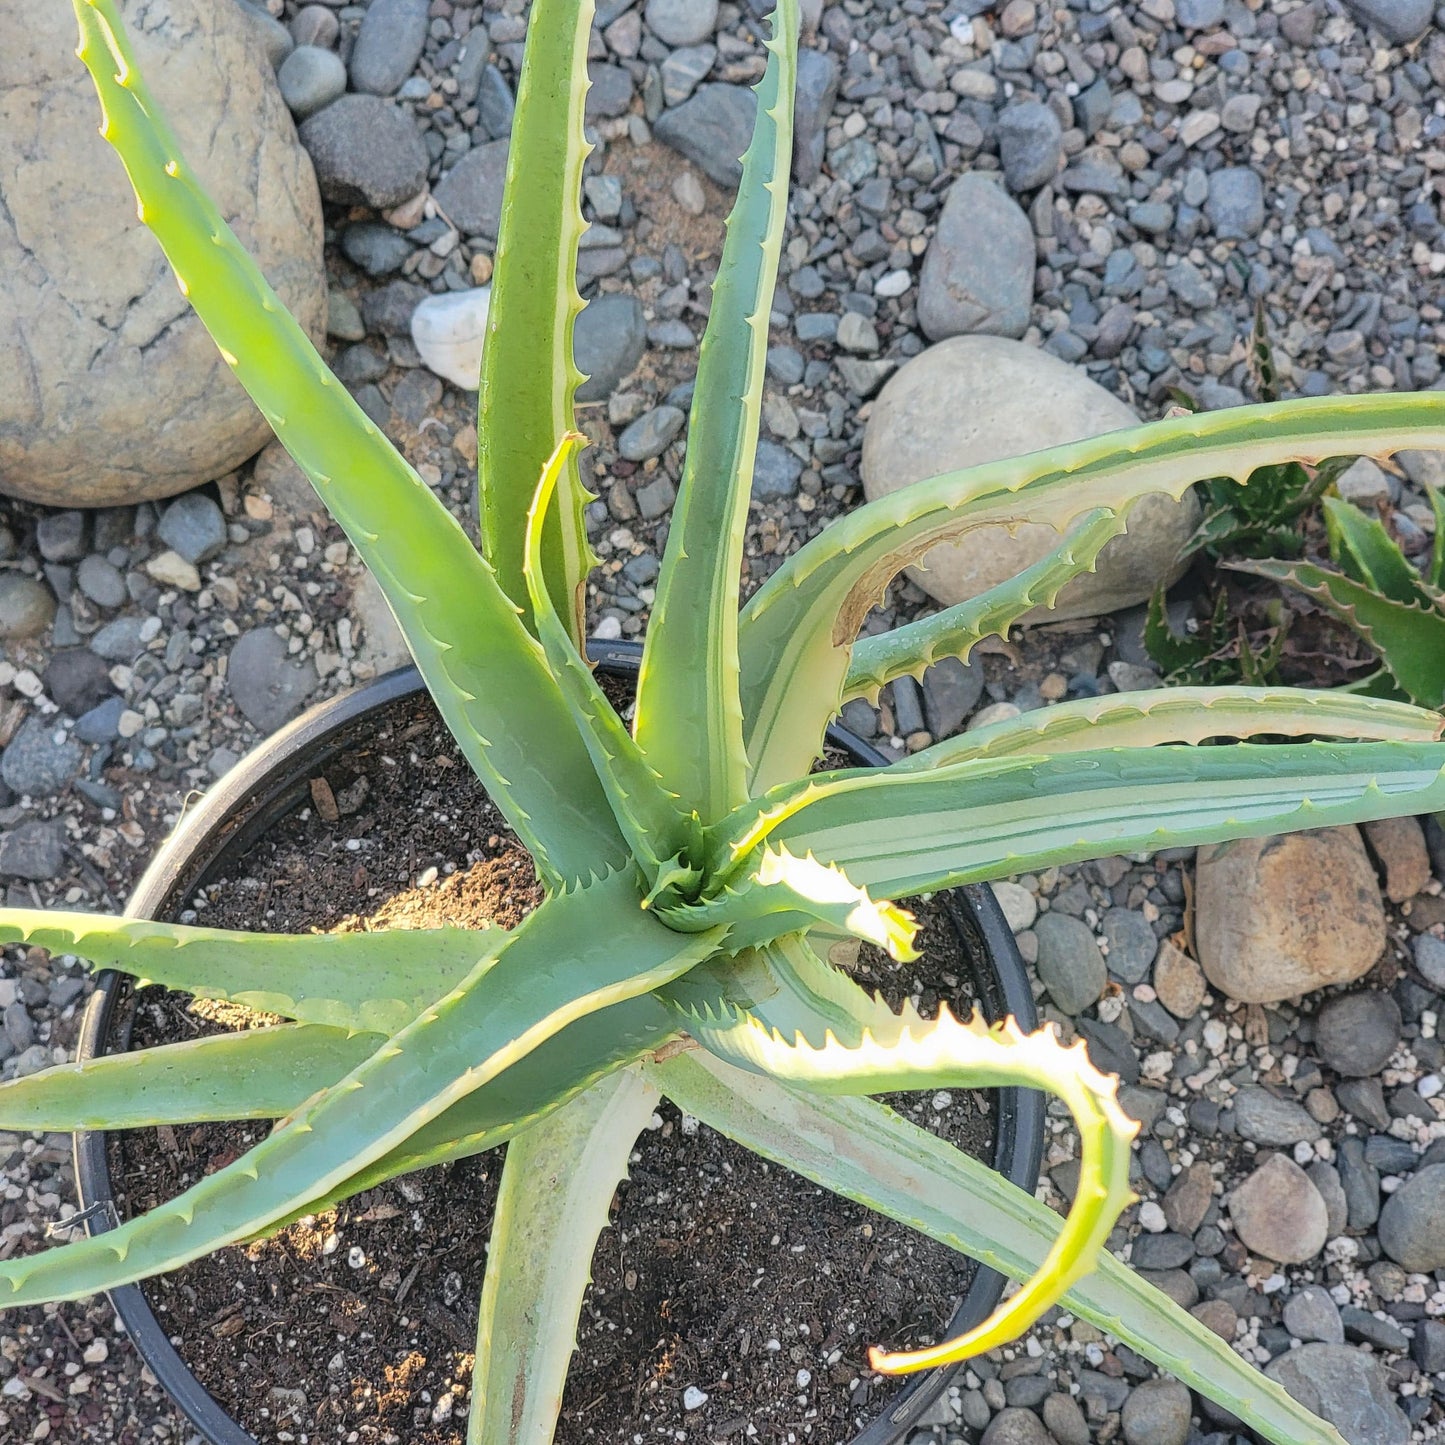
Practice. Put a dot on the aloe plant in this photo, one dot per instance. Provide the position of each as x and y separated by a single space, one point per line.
694 872
1394 607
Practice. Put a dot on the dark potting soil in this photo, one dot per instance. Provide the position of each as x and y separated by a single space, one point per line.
720 1271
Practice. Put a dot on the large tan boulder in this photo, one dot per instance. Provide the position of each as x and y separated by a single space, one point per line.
110 388
976 399
1277 917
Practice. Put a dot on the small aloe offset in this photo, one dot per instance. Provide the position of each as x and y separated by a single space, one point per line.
696 877
1396 608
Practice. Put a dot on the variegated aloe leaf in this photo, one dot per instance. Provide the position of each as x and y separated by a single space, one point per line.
529 377
865 1152
371 982
899 834
1409 638
663 836
555 1072
912 1053
1183 715
577 953
784 893
787 986
797 630
688 719
954 632
486 672
253 1074
557 1188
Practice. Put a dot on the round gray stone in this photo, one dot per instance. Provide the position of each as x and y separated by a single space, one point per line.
40 759
1132 944
470 194
194 526
1412 1223
1015 1426
268 686
119 641
1030 144
1356 1033
1430 959
310 79
27 607
776 471
651 433
1348 1388
607 342
33 851
388 45
1070 964
1399 21
1311 1314
77 680
978 271
1262 1118
1157 1412
1236 203
681 22
366 152
126 396
712 129
101 581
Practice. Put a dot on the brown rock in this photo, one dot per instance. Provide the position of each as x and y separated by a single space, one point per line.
976 399
1187 1200
1399 844
1178 981
112 391
1277 917
1278 1212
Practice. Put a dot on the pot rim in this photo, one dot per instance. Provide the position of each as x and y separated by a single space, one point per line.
268 783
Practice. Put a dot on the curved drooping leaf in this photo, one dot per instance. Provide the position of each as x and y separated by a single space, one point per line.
486 672
1183 715
371 982
252 1074
556 1193
865 1152
902 833
663 837
688 719
577 953
797 630
1408 638
909 1052
954 632
529 377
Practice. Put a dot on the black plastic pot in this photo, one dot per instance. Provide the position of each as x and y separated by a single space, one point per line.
271 782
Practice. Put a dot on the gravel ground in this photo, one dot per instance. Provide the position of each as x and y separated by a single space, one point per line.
1175 161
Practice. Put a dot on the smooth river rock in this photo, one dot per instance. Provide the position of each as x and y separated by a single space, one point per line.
111 390
976 399
978 271
1279 1213
1277 917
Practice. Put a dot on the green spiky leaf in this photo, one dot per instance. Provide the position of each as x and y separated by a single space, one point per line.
529 377
688 716
487 674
